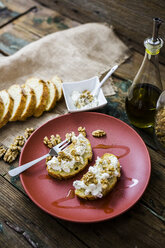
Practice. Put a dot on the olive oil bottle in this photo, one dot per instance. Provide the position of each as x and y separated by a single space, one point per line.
144 92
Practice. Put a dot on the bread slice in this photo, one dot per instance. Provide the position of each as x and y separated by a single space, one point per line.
52 96
8 107
30 102
1 108
68 163
100 178
58 83
16 92
41 92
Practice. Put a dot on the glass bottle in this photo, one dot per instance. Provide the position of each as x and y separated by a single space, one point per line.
146 87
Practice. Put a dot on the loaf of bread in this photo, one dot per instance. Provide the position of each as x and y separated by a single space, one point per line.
30 102
58 83
100 178
2 107
32 98
17 94
8 107
41 92
72 159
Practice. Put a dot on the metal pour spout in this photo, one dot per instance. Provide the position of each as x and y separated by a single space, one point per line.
156 25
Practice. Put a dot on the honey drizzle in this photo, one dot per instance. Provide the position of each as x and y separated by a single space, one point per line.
83 205
126 148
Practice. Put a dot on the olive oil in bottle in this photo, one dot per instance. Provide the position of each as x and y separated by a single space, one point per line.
140 106
144 92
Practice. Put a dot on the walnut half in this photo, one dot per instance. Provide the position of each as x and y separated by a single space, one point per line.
98 133
28 132
2 151
11 153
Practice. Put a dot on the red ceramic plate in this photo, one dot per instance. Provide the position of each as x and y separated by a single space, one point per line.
57 198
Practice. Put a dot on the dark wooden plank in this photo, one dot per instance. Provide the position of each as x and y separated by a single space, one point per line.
10 10
131 19
154 197
6 14
17 209
31 26
13 38
135 228
44 21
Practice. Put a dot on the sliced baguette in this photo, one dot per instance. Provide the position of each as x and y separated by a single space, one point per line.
8 107
16 92
30 102
41 92
52 96
58 83
90 179
2 107
78 166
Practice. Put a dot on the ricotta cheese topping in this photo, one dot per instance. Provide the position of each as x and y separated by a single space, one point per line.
84 100
66 160
103 169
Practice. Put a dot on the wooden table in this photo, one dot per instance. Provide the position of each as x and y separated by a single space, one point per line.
22 223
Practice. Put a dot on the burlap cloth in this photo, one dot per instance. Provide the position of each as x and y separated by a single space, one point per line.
74 54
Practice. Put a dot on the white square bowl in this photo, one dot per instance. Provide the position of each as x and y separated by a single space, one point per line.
89 84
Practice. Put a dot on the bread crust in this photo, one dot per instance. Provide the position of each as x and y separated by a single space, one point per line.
8 112
41 108
111 183
21 106
50 106
43 98
58 83
30 109
1 108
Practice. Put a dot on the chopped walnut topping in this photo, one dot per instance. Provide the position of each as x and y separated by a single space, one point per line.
11 153
28 132
104 183
98 133
84 99
69 136
62 155
89 178
73 152
19 141
48 158
82 130
2 151
77 158
54 140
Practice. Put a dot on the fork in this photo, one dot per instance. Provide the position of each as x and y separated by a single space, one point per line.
53 152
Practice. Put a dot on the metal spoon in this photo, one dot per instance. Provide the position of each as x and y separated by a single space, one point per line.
95 91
